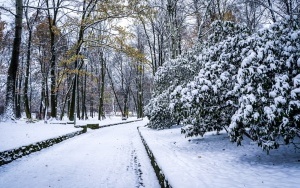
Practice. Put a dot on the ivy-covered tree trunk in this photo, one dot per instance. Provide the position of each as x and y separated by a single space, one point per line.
14 63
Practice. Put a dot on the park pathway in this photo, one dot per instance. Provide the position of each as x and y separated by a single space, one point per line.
108 157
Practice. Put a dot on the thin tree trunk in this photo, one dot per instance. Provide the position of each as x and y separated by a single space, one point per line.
18 97
42 111
114 91
87 8
125 107
65 102
18 93
26 101
84 99
272 11
52 27
83 107
101 114
77 98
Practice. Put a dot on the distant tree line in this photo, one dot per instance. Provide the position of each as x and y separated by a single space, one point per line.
61 57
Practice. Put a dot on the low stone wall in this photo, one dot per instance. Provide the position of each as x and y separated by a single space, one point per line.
97 126
10 155
159 173
125 122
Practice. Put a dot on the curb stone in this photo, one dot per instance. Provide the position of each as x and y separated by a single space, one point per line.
158 171
125 122
13 154
97 126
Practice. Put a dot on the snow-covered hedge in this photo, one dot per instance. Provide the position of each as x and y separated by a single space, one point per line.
171 74
207 101
247 83
269 87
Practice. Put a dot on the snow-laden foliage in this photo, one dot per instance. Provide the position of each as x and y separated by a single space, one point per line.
168 76
268 85
207 102
247 82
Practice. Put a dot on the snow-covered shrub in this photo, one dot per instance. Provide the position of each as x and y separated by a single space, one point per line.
269 87
168 76
207 102
158 113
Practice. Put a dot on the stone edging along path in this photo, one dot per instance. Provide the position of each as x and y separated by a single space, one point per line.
13 154
97 126
159 173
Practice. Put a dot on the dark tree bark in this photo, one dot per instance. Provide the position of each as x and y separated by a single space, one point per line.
18 92
139 68
87 9
27 66
114 91
52 24
101 114
83 110
14 64
26 101
271 10
66 101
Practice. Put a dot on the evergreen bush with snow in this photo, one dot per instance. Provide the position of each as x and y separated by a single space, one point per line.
269 87
168 76
208 101
249 83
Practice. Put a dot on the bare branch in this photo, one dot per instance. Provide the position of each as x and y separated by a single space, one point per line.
7 10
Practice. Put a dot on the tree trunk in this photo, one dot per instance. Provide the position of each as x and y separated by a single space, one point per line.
114 91
65 102
272 11
77 66
52 27
125 107
83 110
42 104
101 114
140 96
72 102
26 101
77 98
18 93
18 86
14 63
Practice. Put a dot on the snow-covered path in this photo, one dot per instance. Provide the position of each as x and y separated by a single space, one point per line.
108 157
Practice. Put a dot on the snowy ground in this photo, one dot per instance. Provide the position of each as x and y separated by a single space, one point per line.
213 161
109 157
115 157
13 135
